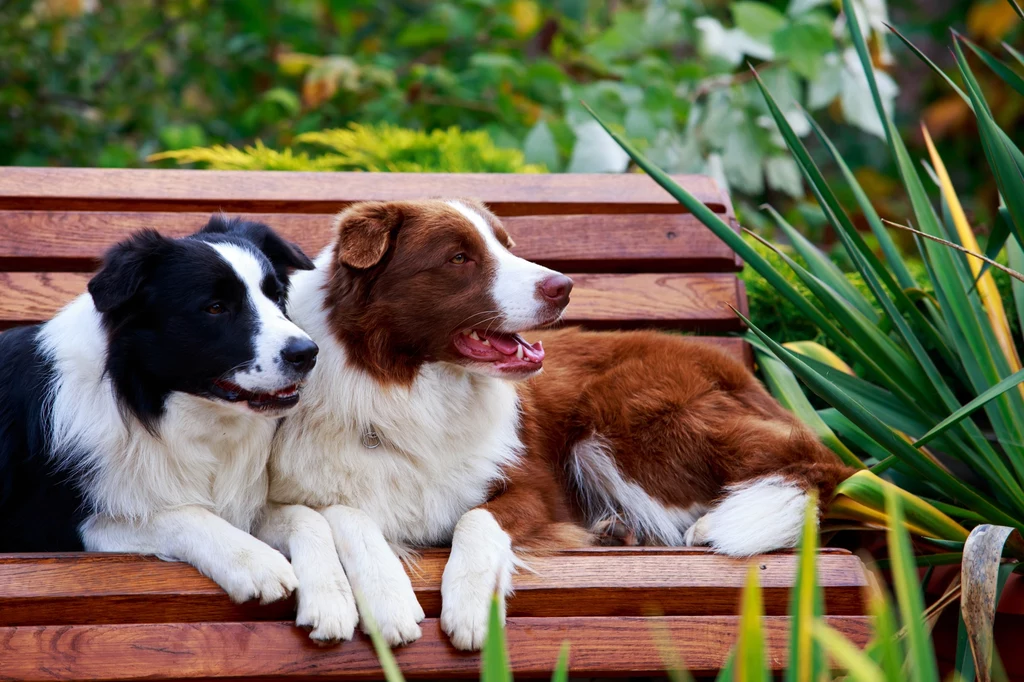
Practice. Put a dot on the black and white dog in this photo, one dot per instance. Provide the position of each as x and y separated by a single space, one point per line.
140 418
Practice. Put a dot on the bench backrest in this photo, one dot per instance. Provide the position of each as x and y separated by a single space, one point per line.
638 260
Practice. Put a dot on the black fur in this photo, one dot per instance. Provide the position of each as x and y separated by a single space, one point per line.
154 294
40 509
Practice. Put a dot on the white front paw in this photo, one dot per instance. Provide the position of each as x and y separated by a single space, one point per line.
327 609
256 571
394 609
466 608
481 563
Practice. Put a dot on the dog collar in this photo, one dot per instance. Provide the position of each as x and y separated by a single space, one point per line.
370 439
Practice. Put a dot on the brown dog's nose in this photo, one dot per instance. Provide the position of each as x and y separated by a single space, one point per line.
556 289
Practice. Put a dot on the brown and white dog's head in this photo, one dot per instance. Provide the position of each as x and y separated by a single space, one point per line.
434 281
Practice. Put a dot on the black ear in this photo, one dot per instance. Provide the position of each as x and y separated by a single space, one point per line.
282 254
125 268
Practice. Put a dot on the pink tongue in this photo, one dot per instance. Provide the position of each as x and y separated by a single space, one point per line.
504 344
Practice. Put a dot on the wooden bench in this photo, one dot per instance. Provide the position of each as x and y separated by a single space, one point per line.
637 261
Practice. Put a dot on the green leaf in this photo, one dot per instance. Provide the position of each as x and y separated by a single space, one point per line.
886 647
750 660
1002 70
784 387
823 267
804 44
968 409
1014 53
380 646
920 656
540 147
1001 228
561 673
757 19
806 662
858 665
494 663
893 256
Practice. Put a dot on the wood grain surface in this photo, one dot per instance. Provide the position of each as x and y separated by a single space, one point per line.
74 241
101 189
693 301
112 588
273 650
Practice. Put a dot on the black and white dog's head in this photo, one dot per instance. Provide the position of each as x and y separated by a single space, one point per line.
203 315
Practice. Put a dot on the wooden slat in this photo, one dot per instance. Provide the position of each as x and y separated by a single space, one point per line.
271 650
75 240
101 189
680 301
97 588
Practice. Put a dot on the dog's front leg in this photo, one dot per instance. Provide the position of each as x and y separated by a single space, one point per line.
242 565
377 575
481 564
325 602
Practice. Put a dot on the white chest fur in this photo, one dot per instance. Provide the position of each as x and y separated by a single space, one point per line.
444 440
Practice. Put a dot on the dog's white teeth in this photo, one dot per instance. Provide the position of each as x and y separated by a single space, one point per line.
485 342
519 351
473 335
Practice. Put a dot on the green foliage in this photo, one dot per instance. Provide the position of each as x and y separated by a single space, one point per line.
366 148
87 83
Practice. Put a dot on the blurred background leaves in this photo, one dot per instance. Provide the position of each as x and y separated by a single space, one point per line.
92 83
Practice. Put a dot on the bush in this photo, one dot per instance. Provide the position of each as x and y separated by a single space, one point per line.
366 148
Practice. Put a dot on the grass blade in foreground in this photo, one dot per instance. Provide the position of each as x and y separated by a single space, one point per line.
920 657
750 661
384 655
494 663
561 673
857 664
806 663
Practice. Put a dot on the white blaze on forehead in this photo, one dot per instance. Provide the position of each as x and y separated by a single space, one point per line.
516 280
273 329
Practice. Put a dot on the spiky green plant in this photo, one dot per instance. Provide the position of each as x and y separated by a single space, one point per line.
366 148
939 369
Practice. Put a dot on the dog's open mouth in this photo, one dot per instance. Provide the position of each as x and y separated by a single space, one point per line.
277 400
508 353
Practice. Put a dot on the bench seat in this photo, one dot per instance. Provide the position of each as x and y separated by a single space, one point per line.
638 261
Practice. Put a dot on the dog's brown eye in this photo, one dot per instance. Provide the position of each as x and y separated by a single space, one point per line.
458 259
216 309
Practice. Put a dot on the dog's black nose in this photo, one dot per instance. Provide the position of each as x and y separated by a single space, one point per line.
300 354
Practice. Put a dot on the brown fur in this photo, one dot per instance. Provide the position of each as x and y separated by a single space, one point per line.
684 420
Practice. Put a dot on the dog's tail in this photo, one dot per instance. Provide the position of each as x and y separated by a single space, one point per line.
766 512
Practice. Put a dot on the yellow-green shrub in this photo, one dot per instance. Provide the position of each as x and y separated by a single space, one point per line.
366 148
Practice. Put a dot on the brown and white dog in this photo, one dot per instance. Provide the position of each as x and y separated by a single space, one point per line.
410 433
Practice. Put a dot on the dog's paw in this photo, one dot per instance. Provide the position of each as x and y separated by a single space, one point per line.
396 613
697 534
465 612
328 611
257 572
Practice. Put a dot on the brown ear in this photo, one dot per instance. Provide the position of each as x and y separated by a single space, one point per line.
364 232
